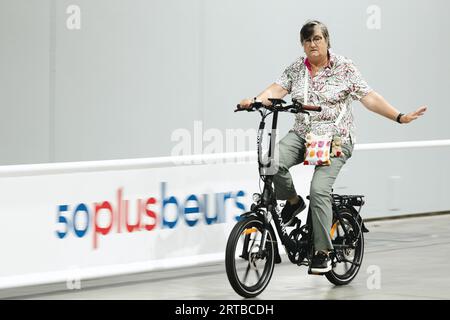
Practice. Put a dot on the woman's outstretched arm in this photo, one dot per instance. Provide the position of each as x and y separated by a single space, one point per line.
376 103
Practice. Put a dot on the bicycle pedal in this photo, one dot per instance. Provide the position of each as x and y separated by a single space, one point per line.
314 273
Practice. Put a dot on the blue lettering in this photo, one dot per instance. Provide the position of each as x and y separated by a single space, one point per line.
220 209
205 209
62 219
240 205
80 208
165 202
191 210
226 196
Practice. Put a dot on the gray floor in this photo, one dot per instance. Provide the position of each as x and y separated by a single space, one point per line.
409 257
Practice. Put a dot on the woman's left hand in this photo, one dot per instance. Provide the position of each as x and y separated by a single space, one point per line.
407 118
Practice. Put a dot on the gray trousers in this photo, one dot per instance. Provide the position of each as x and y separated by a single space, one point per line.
291 151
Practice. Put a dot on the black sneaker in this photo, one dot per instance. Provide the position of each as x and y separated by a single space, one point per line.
321 263
290 211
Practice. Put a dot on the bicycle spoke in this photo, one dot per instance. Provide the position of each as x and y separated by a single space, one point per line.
346 267
257 274
246 273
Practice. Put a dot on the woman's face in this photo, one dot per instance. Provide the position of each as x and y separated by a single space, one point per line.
316 46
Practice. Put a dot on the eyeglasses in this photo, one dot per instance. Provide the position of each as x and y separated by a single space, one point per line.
317 40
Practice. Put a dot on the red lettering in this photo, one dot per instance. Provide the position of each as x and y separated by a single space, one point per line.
119 210
136 226
103 230
150 226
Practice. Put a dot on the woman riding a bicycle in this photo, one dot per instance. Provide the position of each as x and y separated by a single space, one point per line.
332 83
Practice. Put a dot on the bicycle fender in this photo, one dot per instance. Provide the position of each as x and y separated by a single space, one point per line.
359 219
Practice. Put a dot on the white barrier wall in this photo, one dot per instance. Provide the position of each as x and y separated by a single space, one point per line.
81 223
83 220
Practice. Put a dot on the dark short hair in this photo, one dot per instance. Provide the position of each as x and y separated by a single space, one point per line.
308 30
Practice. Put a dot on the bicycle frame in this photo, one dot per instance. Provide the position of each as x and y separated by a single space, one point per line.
268 199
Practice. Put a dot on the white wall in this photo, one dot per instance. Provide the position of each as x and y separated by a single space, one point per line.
24 82
136 71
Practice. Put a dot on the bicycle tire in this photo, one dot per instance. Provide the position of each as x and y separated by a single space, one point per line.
345 279
230 259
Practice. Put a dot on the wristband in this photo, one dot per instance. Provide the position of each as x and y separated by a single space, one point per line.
399 116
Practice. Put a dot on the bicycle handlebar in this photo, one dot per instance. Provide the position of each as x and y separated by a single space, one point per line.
276 105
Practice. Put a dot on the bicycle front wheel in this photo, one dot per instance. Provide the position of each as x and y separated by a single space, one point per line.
248 268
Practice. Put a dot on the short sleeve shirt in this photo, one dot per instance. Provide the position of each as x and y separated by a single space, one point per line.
333 87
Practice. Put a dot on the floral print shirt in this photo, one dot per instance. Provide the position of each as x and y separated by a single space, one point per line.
332 88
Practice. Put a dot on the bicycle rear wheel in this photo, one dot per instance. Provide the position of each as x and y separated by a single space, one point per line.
249 271
351 258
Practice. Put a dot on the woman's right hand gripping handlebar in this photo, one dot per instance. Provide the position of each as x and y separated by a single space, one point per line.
245 103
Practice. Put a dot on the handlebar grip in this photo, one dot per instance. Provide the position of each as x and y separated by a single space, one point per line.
312 108
238 108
